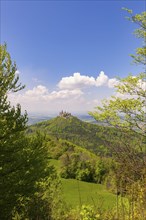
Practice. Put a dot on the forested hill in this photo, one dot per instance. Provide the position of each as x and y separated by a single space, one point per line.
74 130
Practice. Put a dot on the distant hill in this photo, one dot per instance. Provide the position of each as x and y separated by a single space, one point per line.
35 118
74 130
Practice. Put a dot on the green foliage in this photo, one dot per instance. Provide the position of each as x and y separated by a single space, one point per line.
12 123
131 90
58 147
73 161
73 130
101 171
27 181
140 20
83 165
44 203
76 162
126 113
8 78
124 210
88 213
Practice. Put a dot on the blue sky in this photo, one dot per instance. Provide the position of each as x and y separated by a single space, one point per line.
61 47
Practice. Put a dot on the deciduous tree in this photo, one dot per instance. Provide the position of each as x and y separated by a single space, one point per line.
126 113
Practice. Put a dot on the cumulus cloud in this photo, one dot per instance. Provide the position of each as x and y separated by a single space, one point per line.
68 95
63 94
36 91
81 81
112 83
41 93
76 81
101 80
39 99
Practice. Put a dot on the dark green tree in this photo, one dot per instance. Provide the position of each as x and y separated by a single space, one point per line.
26 179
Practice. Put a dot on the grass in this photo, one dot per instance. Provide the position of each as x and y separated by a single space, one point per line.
77 193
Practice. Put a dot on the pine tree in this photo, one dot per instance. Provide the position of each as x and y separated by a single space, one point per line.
26 179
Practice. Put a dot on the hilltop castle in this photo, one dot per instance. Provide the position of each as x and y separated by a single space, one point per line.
64 114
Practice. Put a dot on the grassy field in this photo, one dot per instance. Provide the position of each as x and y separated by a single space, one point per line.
77 193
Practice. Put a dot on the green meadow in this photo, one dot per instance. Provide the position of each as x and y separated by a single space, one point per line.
77 193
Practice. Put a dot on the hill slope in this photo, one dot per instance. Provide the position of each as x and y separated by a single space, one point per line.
72 129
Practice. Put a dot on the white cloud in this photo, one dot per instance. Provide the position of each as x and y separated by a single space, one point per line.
76 81
101 80
93 102
63 94
39 99
69 95
112 83
37 91
41 93
81 81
